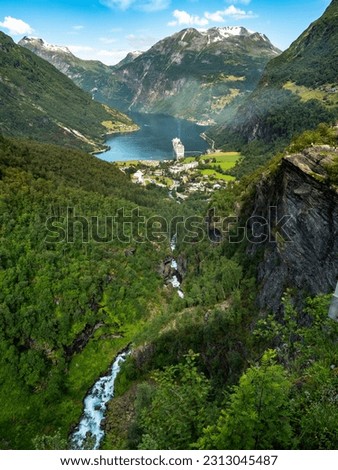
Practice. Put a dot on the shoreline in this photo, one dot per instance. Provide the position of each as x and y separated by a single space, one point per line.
106 148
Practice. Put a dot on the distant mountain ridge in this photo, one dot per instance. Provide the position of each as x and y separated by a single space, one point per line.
190 74
40 102
194 74
90 75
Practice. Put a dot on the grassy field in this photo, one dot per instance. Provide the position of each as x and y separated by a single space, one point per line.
306 94
188 159
217 175
225 160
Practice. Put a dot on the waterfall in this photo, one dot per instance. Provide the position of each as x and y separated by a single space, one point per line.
89 432
174 280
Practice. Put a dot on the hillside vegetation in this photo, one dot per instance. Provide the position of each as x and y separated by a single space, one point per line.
73 291
298 91
69 305
40 102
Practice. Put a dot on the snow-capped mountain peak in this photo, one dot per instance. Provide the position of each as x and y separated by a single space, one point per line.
44 45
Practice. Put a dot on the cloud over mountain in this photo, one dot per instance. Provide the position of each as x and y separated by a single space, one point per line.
16 26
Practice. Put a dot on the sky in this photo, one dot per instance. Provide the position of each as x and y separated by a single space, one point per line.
107 30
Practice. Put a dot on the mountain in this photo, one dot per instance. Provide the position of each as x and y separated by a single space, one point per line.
190 74
195 74
39 101
91 75
312 60
298 89
130 57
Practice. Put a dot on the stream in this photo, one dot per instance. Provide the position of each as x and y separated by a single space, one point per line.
89 432
174 280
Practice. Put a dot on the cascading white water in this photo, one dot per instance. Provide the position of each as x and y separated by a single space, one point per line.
174 280
89 430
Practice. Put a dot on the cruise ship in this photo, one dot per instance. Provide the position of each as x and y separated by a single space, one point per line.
178 148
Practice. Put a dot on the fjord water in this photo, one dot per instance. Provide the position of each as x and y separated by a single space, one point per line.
153 140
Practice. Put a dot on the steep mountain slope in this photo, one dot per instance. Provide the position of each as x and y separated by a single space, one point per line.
312 60
190 74
90 75
39 101
305 215
130 57
72 288
195 74
298 89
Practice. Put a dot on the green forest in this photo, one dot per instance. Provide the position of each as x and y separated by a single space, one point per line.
209 371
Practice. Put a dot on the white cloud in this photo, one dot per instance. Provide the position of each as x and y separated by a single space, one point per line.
78 27
143 5
184 18
141 42
216 17
220 16
112 57
15 26
230 12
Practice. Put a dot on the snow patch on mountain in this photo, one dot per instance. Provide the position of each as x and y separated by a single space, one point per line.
44 45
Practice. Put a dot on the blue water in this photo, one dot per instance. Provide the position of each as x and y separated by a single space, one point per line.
153 140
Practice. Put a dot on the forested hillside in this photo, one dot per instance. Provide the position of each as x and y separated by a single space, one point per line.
219 371
216 371
40 102
69 299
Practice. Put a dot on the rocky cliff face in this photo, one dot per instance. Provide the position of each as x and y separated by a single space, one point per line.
300 238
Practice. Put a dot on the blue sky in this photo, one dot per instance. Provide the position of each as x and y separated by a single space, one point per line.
108 29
